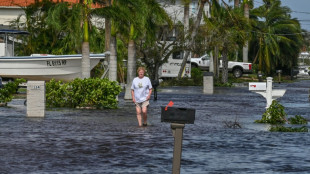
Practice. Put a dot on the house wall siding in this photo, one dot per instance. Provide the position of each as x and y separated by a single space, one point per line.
8 14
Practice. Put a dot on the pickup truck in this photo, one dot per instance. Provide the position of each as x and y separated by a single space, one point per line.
237 68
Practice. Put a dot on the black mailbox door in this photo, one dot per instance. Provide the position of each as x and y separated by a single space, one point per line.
177 115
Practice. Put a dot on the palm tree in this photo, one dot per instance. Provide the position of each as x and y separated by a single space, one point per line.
40 35
80 13
135 10
247 4
85 44
55 28
145 15
114 12
226 29
278 36
193 34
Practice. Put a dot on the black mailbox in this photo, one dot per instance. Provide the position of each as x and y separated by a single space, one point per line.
177 115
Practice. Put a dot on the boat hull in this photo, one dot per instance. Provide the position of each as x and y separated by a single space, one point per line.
45 67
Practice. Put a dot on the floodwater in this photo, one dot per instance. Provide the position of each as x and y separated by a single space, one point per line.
109 141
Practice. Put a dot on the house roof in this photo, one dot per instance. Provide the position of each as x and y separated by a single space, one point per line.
24 3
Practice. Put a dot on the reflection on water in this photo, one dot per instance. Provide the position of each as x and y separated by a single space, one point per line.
109 141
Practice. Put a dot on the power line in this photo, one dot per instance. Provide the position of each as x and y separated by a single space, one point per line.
288 34
301 12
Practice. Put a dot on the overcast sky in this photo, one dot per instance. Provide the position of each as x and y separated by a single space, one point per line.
300 10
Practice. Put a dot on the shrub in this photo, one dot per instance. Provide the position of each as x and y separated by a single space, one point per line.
178 82
55 93
275 114
6 93
297 120
98 93
197 76
288 129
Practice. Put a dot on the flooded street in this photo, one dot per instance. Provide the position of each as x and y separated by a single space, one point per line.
109 141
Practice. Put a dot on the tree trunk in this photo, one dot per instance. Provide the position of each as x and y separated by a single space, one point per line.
85 45
85 60
186 17
216 63
194 32
225 67
156 73
107 33
245 52
236 3
113 60
131 68
211 66
245 49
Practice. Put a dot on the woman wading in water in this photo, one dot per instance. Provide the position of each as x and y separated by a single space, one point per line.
141 90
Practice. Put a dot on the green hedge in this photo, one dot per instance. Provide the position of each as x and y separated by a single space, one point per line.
6 93
95 93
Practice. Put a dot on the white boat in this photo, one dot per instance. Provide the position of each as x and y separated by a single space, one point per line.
46 66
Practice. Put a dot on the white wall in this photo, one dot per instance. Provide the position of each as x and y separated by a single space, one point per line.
2 49
8 14
176 11
9 49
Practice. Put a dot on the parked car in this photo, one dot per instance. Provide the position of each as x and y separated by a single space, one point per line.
237 68
303 70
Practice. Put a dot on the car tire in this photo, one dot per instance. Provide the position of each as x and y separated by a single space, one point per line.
194 66
237 72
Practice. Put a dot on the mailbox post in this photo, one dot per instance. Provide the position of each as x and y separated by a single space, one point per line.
265 89
208 83
178 117
155 84
35 98
279 75
177 131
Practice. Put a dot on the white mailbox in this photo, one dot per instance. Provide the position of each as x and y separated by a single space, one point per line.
257 86
265 89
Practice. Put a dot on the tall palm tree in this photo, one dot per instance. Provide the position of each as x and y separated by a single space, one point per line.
193 34
278 36
227 29
107 24
79 13
113 54
247 4
85 44
118 17
145 15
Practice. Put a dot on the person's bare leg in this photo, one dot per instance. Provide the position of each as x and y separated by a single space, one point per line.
139 117
144 113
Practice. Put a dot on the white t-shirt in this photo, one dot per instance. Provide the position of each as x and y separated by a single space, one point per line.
141 88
